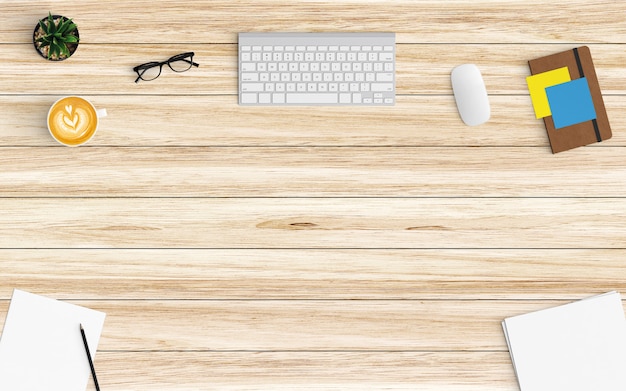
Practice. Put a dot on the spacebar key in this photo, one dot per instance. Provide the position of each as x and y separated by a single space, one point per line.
312 98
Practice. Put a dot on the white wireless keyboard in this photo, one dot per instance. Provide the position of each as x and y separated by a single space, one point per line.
317 69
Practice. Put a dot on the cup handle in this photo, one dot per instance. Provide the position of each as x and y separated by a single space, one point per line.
101 113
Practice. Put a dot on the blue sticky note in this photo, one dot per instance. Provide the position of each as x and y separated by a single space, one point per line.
571 103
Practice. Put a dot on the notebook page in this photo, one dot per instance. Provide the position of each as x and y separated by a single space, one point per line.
577 346
41 347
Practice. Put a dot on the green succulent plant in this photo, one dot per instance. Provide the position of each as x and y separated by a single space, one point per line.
57 35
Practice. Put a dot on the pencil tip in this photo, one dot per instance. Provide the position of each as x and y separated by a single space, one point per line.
81 326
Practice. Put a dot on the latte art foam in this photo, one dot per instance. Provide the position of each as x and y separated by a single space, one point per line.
72 120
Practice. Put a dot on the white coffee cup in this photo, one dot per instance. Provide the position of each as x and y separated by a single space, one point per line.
73 120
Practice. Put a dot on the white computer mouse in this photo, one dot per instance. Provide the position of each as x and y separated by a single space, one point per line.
470 94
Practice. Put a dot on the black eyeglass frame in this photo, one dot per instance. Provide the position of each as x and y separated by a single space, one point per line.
186 57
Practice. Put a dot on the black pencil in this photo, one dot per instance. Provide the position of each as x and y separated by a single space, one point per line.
93 370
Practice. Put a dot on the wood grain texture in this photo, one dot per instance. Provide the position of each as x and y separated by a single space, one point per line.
273 274
339 248
311 325
336 171
219 21
191 371
313 223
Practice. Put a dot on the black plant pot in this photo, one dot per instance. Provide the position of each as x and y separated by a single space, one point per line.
42 51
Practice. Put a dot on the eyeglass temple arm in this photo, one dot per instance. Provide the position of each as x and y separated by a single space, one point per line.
195 64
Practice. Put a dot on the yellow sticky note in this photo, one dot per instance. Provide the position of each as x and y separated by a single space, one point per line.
537 85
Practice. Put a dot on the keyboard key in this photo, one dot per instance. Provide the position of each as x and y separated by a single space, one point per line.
248 67
345 98
318 98
278 98
249 77
356 98
246 48
384 77
252 87
386 57
265 98
248 98
385 87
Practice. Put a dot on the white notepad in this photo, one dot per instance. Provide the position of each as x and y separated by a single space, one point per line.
41 347
579 346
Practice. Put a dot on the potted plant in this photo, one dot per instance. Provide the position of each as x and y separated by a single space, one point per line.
56 37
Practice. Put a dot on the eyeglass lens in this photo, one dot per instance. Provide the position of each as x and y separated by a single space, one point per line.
149 71
181 62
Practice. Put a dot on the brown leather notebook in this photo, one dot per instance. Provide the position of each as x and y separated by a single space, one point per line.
580 66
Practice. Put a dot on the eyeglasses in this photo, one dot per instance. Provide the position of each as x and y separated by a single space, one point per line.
178 63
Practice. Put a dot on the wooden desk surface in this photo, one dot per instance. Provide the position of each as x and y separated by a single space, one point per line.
307 248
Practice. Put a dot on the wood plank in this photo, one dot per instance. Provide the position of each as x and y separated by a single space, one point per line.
306 325
219 121
142 21
192 371
127 274
311 172
313 223
421 69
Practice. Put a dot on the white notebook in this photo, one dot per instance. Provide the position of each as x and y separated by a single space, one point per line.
579 346
41 347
